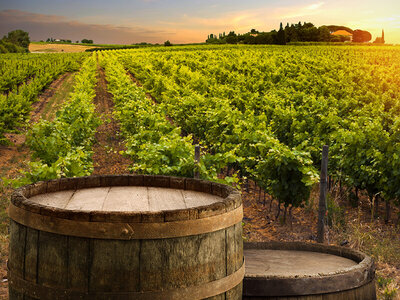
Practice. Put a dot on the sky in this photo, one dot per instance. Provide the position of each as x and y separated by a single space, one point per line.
187 21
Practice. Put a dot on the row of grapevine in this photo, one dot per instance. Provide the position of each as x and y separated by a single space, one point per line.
15 105
346 98
63 147
155 145
17 68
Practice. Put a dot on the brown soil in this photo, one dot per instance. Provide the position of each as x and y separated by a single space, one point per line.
107 158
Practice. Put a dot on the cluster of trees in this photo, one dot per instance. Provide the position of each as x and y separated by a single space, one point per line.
86 41
52 40
299 32
16 41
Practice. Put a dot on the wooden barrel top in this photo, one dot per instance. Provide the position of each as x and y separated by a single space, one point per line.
126 198
293 263
127 206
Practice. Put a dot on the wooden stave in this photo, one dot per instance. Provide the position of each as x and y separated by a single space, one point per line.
30 269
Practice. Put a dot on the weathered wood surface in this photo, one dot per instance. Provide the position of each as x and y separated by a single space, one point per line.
294 263
89 267
45 265
274 273
125 198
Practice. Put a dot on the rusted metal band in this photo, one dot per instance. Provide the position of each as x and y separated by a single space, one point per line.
202 291
125 231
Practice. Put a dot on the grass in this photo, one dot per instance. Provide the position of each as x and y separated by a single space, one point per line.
376 239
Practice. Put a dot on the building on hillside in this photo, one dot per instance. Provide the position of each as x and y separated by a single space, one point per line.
380 40
343 33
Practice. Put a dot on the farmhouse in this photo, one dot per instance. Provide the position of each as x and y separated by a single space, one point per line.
343 33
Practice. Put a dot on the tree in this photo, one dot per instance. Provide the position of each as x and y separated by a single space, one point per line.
231 39
249 39
291 33
18 37
324 34
361 36
86 41
281 38
167 43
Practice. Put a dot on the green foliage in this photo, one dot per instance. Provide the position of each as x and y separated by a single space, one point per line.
281 36
18 37
63 147
8 47
227 127
155 145
22 78
73 164
16 41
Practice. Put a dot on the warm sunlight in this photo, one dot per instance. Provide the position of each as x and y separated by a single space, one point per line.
200 149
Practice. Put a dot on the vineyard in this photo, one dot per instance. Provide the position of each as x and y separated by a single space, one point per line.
22 78
271 110
260 114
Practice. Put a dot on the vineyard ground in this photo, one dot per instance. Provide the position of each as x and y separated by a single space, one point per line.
260 223
106 157
52 98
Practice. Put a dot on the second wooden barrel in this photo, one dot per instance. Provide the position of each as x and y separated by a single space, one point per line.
126 237
306 271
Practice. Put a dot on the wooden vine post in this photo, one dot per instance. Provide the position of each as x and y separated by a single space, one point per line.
322 194
197 161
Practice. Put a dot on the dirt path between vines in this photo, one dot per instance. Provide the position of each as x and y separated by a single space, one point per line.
51 99
106 157
15 157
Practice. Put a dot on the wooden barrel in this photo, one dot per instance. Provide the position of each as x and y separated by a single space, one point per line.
305 271
126 237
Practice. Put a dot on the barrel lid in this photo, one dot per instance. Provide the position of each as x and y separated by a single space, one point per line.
293 263
127 198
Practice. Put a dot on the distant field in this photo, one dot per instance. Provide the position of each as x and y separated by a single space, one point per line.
52 48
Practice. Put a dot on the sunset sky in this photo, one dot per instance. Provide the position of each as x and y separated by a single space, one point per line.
182 21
